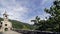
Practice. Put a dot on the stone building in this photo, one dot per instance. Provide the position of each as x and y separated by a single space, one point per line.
5 25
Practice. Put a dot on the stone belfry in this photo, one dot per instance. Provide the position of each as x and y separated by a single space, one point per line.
5 16
6 24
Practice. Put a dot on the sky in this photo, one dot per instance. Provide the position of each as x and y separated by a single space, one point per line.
25 10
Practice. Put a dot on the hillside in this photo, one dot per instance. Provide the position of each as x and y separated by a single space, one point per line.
19 25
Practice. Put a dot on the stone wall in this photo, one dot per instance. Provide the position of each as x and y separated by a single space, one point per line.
35 32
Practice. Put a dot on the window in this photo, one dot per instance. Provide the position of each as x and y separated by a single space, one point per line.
5 24
0 27
6 29
0 22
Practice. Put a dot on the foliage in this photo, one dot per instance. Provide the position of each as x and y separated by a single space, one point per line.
19 25
53 22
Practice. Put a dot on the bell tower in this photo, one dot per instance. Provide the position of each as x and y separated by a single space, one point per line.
6 24
5 16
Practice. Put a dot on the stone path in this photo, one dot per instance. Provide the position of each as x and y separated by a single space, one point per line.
11 32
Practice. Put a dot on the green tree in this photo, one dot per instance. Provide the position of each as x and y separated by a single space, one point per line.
53 22
54 11
36 22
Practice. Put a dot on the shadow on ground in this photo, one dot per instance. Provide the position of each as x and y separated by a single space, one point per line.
1 33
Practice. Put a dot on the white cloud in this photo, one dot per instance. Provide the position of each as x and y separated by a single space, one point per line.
15 11
18 11
44 1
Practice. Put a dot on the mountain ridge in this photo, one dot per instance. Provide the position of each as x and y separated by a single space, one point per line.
19 25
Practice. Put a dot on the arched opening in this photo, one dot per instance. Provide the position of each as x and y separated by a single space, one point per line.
6 29
0 25
5 24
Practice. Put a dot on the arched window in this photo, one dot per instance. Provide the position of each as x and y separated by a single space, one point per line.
0 25
0 22
6 29
5 24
